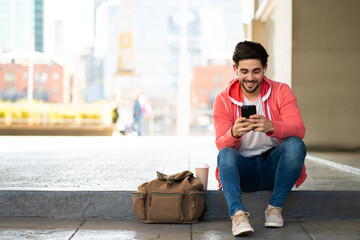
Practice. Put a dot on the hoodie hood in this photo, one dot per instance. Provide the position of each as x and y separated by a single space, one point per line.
234 92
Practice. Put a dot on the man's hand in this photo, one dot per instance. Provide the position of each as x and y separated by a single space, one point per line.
241 126
259 123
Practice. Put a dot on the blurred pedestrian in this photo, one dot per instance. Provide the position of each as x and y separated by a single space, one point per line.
137 124
114 114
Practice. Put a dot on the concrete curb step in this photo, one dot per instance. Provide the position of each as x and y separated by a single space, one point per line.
118 204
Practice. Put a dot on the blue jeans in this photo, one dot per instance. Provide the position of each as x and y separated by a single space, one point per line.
137 126
278 172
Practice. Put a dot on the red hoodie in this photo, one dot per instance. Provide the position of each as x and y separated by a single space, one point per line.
279 105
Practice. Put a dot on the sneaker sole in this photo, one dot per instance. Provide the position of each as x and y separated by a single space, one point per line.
274 224
244 231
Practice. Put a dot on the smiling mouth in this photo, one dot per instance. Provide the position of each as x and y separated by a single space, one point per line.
250 83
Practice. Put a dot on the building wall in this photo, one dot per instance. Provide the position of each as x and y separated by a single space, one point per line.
47 78
314 48
207 82
54 81
325 73
279 24
39 25
21 25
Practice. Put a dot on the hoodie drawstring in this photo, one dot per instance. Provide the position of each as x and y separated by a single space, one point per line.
268 110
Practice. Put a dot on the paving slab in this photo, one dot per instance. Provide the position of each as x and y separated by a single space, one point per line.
221 230
38 228
88 228
332 229
130 229
293 229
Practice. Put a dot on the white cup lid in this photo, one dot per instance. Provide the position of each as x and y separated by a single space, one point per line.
203 165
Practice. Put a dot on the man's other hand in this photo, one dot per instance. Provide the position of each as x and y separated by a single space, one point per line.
259 123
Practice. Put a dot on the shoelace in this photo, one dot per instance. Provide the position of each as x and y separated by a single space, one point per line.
274 211
240 217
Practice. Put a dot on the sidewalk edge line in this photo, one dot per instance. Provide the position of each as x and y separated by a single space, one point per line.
339 166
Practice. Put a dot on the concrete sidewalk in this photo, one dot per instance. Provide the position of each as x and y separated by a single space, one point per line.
80 229
90 179
123 163
98 163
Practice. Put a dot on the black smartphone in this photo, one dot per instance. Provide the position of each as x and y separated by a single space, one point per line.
248 110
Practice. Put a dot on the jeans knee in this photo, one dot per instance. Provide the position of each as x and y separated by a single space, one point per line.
294 145
294 151
227 158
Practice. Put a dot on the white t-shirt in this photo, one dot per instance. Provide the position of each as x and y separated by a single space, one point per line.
255 143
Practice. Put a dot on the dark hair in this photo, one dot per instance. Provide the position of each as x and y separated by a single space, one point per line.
249 50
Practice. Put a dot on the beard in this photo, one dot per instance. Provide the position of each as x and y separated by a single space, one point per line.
253 89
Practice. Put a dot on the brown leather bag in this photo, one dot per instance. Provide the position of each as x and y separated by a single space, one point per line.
177 198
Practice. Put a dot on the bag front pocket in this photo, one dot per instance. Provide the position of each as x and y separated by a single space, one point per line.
139 204
165 207
197 202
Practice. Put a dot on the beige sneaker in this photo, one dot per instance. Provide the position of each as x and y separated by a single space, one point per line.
273 217
240 224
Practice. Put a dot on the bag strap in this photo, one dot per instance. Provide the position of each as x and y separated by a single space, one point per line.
174 177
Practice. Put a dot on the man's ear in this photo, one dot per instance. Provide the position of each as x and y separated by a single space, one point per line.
235 68
265 67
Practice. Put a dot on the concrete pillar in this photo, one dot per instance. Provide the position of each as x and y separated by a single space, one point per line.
325 71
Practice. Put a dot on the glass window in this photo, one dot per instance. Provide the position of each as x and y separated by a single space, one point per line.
37 77
55 76
44 77
9 77
25 76
41 77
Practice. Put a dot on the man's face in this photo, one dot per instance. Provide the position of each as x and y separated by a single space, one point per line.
250 73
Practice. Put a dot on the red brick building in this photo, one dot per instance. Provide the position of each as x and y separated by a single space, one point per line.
48 81
207 82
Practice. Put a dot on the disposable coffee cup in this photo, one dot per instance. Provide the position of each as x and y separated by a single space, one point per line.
202 173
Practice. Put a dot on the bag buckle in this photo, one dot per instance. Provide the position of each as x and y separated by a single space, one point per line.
170 180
